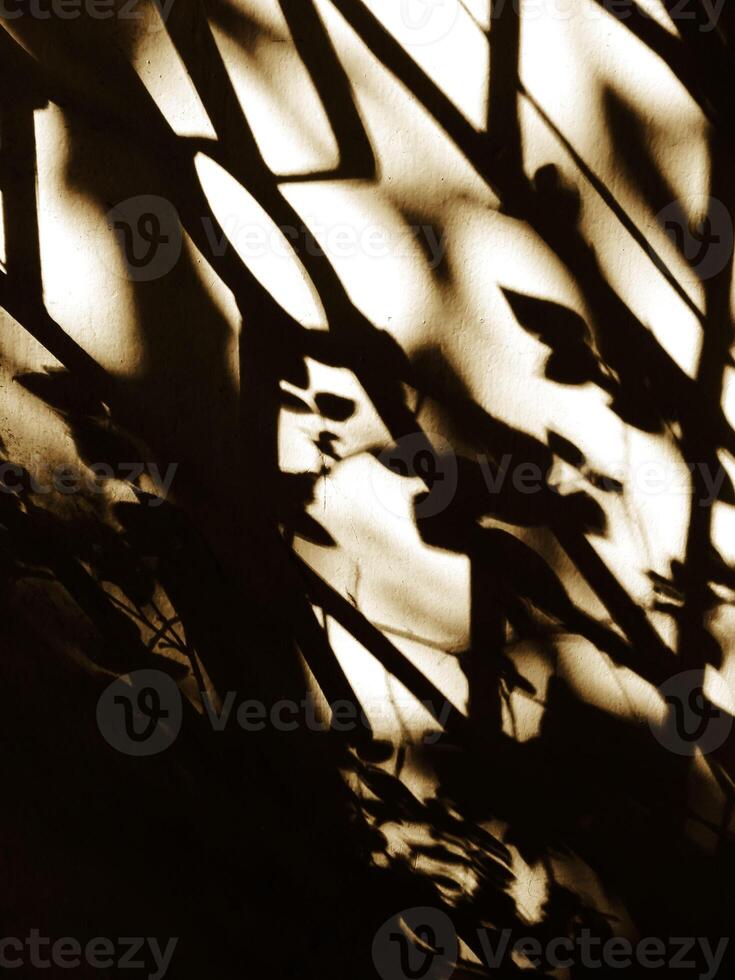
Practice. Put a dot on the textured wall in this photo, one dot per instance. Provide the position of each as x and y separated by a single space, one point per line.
426 251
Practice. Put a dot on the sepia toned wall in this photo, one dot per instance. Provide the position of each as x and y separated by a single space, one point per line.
426 251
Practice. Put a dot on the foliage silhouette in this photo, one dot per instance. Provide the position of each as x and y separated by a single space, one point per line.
213 593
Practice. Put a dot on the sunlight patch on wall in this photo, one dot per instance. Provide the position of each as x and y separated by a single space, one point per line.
420 168
281 105
650 298
388 704
35 436
600 684
652 146
657 11
625 263
644 290
717 690
652 519
728 394
479 10
490 350
723 531
260 243
725 627
19 351
400 583
611 53
359 429
446 41
86 288
645 164
493 355
529 888
161 70
552 69
369 242
523 712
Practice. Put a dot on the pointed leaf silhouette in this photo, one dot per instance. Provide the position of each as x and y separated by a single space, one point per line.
565 449
573 366
295 404
304 526
61 390
445 882
636 411
600 481
325 444
376 750
555 325
572 361
334 406
439 852
99 441
392 791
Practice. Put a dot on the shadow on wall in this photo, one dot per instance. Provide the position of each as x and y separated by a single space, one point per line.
240 559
